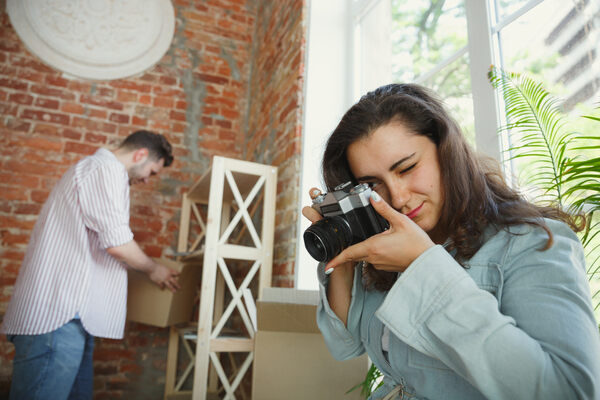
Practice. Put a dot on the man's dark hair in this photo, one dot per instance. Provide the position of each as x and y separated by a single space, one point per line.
157 145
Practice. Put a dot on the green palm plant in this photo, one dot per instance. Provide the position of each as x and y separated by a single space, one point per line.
554 164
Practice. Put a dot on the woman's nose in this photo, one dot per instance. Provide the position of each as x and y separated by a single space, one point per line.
399 195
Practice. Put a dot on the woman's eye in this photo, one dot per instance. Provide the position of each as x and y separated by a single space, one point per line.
373 185
408 168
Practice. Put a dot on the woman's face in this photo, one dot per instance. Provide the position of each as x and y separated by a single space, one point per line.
403 168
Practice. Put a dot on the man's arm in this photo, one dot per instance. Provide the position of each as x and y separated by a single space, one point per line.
131 254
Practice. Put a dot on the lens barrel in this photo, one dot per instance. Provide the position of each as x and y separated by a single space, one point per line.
327 238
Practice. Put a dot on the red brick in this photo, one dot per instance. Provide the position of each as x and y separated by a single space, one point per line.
158 125
132 367
106 92
55 80
98 101
168 91
47 103
127 97
93 138
166 102
72 108
103 355
21 98
19 179
39 196
10 254
28 62
212 79
30 76
11 239
45 129
9 45
177 115
129 85
9 109
96 113
119 118
178 128
52 92
145 99
80 148
94 126
79 86
168 80
27 209
14 193
13 84
40 144
38 115
149 78
223 123
135 120
71 134
231 114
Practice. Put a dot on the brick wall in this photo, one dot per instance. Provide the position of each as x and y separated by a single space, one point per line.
275 117
230 84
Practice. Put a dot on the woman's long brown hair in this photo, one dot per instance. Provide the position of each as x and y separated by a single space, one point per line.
476 194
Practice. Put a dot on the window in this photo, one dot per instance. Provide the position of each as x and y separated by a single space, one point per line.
448 45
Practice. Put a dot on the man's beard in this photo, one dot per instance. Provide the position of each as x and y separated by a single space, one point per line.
135 174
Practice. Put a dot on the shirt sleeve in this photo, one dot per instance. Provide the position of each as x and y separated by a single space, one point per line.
104 201
540 342
343 341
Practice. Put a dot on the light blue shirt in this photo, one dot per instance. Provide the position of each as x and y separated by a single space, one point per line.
515 323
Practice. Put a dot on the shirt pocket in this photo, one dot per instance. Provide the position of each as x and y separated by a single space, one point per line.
488 277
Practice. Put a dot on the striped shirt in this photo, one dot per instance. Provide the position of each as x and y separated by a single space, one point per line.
66 269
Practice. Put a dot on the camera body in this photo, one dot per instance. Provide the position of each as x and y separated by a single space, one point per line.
348 218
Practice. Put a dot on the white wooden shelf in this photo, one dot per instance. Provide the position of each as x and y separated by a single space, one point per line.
233 191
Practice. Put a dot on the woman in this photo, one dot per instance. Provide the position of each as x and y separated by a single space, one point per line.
472 292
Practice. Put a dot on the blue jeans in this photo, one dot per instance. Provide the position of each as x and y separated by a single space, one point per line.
55 365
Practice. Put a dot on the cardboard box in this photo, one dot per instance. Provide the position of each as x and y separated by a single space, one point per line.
291 360
148 304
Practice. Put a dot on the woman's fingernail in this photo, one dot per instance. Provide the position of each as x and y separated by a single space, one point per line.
375 196
315 192
328 271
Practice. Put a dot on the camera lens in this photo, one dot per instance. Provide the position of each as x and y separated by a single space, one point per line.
327 238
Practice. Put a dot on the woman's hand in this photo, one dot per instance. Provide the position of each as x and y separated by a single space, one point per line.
392 250
339 290
310 213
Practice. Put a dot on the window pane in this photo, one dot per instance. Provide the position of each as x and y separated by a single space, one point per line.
507 7
425 32
561 49
453 84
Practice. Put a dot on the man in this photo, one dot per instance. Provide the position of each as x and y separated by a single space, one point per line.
72 285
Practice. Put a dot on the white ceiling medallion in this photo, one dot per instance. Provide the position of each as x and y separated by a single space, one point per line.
95 39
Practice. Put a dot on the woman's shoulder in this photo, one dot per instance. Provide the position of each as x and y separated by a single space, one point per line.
512 241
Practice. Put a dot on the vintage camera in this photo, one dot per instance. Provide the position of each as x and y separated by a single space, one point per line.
349 218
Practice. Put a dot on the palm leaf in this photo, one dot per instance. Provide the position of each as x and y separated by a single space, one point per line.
536 126
572 182
373 380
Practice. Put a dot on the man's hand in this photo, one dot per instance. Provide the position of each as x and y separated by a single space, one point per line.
131 254
165 277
